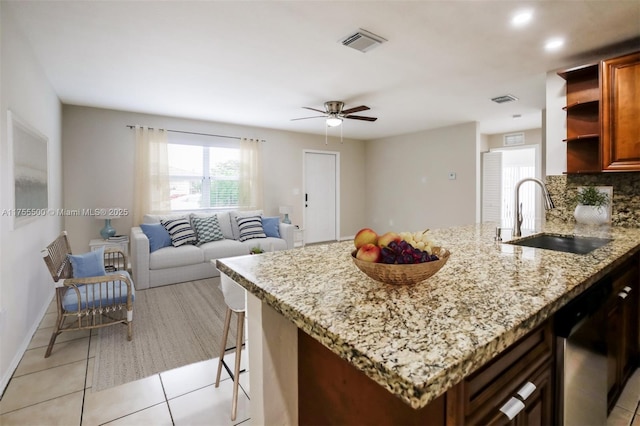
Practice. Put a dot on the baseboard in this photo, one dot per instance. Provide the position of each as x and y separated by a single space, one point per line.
23 348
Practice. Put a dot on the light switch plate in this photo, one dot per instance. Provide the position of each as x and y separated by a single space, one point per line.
452 175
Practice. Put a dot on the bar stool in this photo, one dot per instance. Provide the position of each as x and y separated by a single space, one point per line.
234 297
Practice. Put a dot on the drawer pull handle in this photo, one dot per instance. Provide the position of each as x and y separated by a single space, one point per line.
622 295
526 391
627 289
512 407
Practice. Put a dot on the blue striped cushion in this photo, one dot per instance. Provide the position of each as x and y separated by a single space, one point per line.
180 231
250 227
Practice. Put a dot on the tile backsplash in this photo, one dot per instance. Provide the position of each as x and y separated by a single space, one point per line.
626 196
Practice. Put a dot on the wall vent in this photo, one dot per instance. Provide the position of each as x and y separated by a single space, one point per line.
504 98
362 40
514 139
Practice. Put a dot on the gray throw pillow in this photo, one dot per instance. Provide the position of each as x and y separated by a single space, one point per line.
207 229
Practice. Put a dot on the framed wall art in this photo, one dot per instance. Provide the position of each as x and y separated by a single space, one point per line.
30 171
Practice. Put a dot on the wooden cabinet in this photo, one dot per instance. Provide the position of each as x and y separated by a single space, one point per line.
522 376
622 329
517 387
583 119
603 103
621 113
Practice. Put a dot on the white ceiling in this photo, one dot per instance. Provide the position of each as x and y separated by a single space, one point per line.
258 62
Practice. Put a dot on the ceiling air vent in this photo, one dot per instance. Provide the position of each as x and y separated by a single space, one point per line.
362 40
504 98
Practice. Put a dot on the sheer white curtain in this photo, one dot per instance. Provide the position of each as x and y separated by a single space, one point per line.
250 187
151 176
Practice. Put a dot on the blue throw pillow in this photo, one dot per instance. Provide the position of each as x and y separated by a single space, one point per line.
89 264
157 235
271 226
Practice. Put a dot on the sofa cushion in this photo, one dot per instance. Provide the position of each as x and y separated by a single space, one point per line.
223 248
271 226
157 235
250 227
224 219
157 218
235 214
170 257
180 231
89 264
266 244
207 228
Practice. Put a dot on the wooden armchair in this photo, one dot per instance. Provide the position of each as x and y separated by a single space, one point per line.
89 302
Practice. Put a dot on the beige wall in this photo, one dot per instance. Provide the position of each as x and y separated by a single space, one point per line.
98 167
26 287
407 179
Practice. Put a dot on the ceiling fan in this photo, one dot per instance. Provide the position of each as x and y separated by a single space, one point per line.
334 113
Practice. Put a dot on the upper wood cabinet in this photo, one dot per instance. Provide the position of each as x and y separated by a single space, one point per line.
603 106
621 113
583 119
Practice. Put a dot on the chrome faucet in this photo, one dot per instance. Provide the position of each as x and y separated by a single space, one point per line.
517 216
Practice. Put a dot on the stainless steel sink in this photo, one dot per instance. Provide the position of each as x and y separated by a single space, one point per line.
565 243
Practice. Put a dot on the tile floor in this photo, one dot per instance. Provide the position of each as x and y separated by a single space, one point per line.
57 390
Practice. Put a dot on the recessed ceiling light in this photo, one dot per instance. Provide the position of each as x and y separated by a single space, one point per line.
521 18
554 43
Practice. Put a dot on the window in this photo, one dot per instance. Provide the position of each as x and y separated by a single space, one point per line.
203 175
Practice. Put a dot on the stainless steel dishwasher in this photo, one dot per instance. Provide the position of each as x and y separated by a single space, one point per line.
581 364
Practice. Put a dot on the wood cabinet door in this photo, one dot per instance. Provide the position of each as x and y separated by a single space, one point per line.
620 137
622 329
629 345
614 331
538 407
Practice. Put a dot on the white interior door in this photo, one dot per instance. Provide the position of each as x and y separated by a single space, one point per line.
501 170
492 187
321 196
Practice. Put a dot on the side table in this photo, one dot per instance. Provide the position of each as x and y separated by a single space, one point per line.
298 238
122 244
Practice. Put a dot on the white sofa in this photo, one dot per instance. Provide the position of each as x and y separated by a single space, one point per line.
169 265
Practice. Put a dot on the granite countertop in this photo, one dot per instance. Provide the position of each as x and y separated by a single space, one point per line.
418 341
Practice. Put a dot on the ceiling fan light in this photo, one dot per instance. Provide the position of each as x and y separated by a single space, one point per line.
333 121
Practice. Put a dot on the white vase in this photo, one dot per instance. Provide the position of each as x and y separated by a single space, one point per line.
591 215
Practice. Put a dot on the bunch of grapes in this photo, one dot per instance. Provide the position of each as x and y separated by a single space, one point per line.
401 252
418 240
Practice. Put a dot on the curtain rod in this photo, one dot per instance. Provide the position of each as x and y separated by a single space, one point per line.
194 133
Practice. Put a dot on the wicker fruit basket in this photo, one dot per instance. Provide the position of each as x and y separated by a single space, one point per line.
403 274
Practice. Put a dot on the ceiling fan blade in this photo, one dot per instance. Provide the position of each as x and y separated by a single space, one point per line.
360 117
305 118
316 110
355 109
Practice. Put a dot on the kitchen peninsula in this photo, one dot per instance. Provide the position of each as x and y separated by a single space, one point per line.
415 344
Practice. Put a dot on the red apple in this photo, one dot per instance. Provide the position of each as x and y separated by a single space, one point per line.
365 236
386 238
369 253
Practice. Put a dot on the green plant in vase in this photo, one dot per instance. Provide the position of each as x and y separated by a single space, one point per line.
591 208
